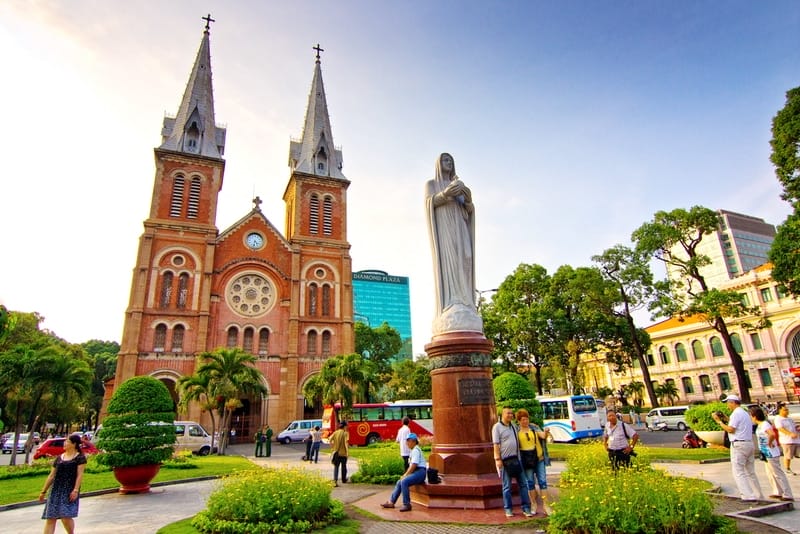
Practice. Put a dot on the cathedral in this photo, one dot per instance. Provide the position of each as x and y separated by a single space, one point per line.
285 298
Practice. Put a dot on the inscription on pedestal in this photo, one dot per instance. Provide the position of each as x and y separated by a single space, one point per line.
475 391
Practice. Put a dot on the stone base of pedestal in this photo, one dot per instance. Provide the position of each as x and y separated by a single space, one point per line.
465 492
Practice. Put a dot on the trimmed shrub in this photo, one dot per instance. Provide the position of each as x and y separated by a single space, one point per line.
138 429
699 418
270 501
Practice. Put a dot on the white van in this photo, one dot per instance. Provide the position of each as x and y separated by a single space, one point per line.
298 430
191 436
673 416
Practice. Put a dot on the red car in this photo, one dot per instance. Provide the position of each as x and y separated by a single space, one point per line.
55 446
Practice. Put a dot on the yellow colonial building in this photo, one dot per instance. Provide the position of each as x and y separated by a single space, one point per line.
690 354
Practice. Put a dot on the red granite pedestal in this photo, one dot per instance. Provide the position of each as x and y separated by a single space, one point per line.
464 412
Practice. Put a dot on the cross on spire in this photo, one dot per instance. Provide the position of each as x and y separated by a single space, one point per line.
257 202
318 49
208 20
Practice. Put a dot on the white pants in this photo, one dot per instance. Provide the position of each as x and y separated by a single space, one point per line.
777 478
744 470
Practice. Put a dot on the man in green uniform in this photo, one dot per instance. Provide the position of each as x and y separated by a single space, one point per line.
259 443
268 441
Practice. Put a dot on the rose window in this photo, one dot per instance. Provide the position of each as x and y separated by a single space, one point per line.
250 295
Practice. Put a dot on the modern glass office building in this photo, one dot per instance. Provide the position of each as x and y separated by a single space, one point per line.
379 297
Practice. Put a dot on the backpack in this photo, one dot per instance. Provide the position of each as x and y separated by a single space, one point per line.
433 476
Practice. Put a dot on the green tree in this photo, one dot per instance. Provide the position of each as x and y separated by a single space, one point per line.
410 380
628 271
673 238
785 254
379 345
103 358
785 144
231 374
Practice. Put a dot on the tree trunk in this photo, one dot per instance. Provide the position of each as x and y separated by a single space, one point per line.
640 356
736 359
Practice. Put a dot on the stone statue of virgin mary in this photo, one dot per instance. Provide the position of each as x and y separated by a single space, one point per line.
451 227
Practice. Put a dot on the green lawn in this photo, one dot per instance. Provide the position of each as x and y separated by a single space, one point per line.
27 488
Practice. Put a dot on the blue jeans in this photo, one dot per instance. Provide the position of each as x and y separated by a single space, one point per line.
522 482
537 475
417 477
341 460
315 451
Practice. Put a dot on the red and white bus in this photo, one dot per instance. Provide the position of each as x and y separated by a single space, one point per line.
371 423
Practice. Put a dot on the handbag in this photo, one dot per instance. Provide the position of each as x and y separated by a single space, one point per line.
433 476
512 466
529 459
334 457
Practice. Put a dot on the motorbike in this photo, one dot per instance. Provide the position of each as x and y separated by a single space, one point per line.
658 425
692 441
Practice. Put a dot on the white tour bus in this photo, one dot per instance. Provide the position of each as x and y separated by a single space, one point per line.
572 417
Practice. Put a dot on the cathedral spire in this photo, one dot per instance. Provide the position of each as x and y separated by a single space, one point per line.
193 129
315 152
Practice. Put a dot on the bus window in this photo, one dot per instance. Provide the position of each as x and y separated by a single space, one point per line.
392 413
583 404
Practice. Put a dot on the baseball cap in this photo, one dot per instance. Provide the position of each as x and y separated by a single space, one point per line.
734 398
413 436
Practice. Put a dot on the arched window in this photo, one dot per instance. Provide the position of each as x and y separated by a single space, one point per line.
794 349
697 350
263 341
716 347
687 385
737 343
650 360
160 339
194 198
664 353
680 350
313 214
233 337
312 300
166 290
176 202
183 290
326 301
311 342
177 338
326 343
705 383
327 216
724 381
248 339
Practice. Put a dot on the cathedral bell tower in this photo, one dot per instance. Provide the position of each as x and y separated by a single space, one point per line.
321 319
168 311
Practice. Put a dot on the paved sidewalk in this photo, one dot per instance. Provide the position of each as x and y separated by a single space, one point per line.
142 514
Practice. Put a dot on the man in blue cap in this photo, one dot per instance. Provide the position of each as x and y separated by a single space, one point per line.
415 474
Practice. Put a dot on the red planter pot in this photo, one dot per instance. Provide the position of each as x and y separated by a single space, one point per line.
136 478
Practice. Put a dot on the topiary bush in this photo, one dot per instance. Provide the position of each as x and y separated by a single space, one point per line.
269 501
699 419
138 429
514 390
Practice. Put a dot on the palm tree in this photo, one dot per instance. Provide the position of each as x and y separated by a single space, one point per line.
197 388
343 379
231 374
635 389
667 391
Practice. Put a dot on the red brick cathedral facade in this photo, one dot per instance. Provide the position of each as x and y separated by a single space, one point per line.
287 299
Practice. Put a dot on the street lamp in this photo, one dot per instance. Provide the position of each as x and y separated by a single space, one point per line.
358 316
479 293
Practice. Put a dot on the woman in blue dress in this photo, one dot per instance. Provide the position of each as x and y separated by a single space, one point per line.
65 479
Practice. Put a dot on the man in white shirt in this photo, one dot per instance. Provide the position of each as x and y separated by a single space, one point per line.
402 436
788 437
740 432
619 439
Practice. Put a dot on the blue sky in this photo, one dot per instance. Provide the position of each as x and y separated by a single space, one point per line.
572 122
